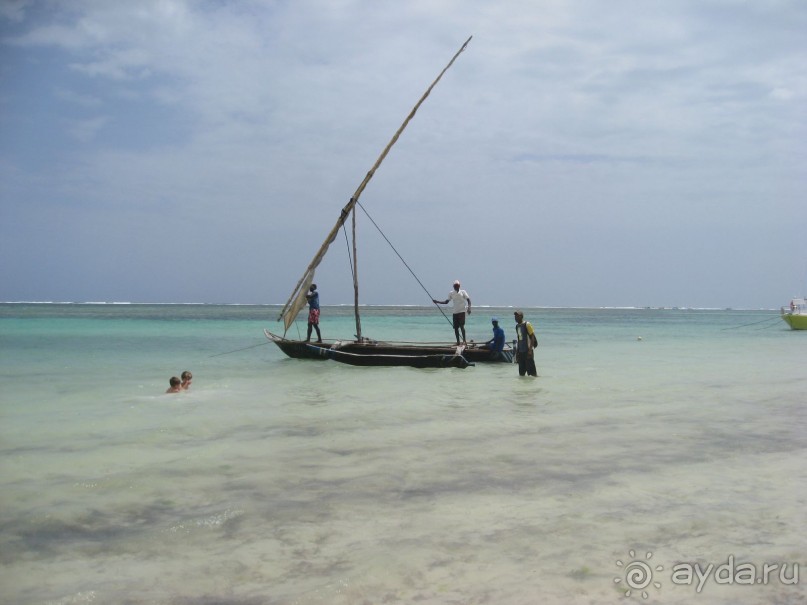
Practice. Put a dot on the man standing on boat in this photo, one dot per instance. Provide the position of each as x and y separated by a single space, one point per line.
462 304
527 341
313 312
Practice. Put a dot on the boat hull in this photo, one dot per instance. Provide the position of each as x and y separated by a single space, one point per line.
796 321
299 349
385 360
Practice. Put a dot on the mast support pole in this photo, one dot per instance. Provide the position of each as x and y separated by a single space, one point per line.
356 281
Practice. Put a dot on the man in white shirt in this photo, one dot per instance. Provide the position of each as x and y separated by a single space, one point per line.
462 304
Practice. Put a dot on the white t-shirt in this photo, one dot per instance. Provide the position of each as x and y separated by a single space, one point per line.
458 300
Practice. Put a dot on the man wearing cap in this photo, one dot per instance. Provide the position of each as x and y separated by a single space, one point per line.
495 344
462 304
527 341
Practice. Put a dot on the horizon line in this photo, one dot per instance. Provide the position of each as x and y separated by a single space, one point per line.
411 306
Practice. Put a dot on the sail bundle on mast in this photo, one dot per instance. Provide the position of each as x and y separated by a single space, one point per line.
297 299
299 302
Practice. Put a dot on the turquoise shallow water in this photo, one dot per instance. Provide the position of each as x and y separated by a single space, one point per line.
678 433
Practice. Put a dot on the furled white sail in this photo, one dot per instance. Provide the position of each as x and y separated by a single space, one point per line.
290 314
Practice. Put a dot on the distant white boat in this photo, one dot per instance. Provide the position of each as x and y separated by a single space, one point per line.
796 314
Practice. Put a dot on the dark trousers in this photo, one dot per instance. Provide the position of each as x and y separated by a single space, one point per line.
526 364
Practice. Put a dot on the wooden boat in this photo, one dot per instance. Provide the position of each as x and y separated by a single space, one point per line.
391 359
796 314
472 353
376 353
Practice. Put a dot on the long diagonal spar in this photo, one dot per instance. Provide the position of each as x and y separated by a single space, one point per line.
297 298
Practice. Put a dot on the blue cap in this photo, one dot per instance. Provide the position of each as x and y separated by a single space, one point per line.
492 319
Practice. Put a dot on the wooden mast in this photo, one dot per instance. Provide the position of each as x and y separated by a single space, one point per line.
351 205
356 281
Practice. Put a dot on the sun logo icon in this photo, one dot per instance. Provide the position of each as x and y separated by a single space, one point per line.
638 574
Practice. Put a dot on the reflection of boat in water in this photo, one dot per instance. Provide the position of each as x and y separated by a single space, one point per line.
305 350
376 353
796 315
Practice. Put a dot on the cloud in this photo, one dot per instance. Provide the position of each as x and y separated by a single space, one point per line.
256 121
13 10
782 94
83 100
86 130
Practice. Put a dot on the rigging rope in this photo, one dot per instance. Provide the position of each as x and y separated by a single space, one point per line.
238 350
772 320
349 255
773 324
403 261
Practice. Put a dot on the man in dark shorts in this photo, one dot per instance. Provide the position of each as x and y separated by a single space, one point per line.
462 304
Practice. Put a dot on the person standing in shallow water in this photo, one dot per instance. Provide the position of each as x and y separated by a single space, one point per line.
313 312
525 350
462 304
187 378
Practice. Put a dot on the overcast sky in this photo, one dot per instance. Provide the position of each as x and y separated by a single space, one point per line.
578 153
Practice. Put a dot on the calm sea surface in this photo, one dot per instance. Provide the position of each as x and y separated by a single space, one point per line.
654 443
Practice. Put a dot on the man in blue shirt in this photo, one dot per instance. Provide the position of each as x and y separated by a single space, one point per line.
495 344
313 312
